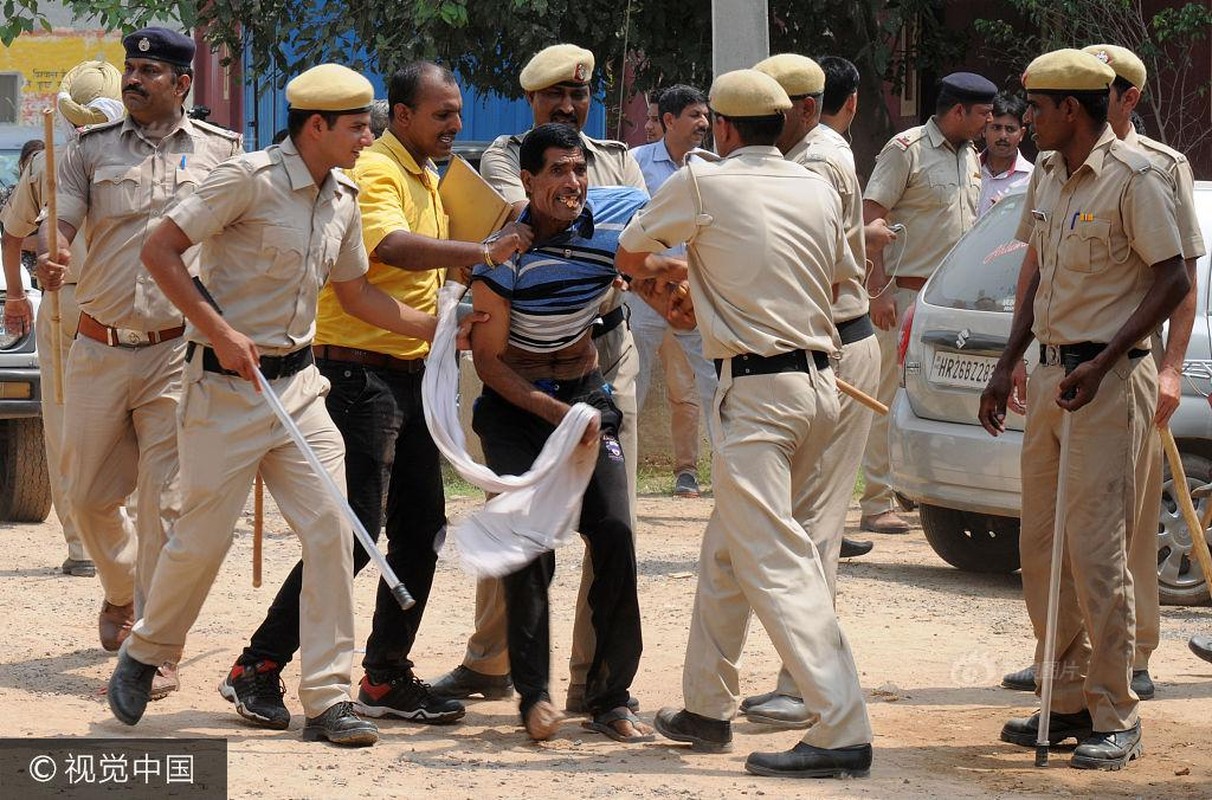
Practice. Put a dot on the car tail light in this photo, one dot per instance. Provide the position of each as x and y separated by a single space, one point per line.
902 341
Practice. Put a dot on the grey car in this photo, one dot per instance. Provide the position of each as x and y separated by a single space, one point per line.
967 483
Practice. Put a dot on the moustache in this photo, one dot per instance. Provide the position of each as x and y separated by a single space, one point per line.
135 90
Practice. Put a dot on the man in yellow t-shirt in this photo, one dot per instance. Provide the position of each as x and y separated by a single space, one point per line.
375 401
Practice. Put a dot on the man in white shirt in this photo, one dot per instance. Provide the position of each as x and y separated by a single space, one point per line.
1003 167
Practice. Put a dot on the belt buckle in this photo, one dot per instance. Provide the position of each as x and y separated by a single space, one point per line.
131 337
1052 355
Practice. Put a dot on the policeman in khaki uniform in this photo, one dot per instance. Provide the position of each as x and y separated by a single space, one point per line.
123 377
763 307
88 95
1101 221
1130 74
274 227
807 142
929 180
557 85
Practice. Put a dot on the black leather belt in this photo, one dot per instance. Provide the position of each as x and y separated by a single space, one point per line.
272 367
794 361
608 322
1070 355
855 330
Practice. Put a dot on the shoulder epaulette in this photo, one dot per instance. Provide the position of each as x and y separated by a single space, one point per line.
1136 160
101 126
258 160
1158 147
905 139
609 144
211 127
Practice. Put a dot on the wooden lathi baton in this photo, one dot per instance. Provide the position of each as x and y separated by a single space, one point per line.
258 527
1182 494
857 394
52 242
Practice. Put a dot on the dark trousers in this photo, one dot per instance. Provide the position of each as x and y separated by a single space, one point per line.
512 439
388 453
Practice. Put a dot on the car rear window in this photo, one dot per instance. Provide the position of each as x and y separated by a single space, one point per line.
981 271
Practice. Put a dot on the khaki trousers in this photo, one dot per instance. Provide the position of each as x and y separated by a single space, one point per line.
757 558
877 472
227 433
1096 620
119 434
487 650
832 486
52 412
684 408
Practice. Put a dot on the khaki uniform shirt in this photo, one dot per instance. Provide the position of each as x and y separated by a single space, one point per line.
1097 231
394 194
116 184
23 212
932 188
270 240
821 153
1175 165
765 244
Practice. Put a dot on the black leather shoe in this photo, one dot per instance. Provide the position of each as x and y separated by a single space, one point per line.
462 682
1108 750
852 548
1021 681
1023 731
340 725
704 734
1201 646
130 688
806 761
1142 684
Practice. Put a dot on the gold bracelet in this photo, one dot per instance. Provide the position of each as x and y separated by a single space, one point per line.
486 252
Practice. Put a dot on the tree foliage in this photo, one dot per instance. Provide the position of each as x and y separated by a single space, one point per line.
1162 40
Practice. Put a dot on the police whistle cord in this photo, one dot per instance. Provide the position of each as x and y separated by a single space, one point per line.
397 588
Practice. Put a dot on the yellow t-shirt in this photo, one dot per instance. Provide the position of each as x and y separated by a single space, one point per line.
394 193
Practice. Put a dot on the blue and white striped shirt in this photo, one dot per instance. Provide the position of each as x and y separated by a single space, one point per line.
556 286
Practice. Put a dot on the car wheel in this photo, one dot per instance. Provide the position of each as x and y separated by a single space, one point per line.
1180 582
24 482
970 541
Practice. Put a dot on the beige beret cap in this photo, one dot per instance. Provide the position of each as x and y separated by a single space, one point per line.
1067 70
798 75
747 93
330 87
1122 60
560 63
86 83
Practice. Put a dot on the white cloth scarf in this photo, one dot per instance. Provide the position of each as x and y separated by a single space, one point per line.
532 513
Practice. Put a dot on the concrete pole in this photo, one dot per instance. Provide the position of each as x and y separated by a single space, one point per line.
740 34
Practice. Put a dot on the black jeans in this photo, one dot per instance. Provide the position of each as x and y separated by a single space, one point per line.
388 453
512 439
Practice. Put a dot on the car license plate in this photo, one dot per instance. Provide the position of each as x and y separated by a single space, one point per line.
956 369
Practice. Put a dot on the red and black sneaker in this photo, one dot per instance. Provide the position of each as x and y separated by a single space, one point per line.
406 697
257 691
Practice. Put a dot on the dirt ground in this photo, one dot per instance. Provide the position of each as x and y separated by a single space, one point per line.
930 642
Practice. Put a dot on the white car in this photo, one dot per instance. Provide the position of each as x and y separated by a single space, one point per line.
24 481
966 482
